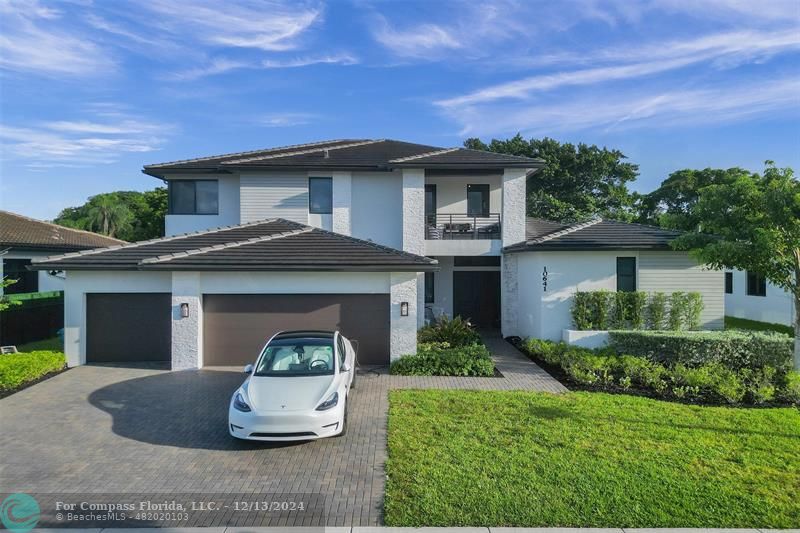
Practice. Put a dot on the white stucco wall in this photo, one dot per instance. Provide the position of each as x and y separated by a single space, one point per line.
414 226
513 206
78 284
776 307
342 201
545 313
403 339
188 287
377 207
47 281
451 192
228 208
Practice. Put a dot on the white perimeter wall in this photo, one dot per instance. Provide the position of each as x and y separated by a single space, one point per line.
188 287
544 314
776 307
228 209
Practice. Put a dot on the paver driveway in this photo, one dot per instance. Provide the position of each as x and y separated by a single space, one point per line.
103 429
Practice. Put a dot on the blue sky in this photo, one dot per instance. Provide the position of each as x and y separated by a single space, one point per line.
91 91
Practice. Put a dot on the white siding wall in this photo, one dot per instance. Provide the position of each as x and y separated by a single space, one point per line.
776 307
377 207
228 212
545 313
676 271
274 195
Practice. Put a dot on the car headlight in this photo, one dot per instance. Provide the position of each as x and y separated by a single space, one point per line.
331 402
239 404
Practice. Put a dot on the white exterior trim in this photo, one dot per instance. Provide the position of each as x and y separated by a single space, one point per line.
342 201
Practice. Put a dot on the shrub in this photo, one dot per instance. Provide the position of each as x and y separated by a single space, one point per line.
605 369
657 310
677 310
637 302
20 368
619 315
693 310
790 388
454 331
734 349
600 308
441 359
582 311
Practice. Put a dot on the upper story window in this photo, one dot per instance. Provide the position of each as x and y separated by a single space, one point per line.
626 274
478 200
320 196
756 284
193 197
728 282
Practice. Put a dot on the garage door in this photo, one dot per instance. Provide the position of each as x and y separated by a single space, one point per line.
128 327
236 326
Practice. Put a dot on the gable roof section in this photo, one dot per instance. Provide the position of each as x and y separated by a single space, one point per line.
17 231
346 154
596 234
268 245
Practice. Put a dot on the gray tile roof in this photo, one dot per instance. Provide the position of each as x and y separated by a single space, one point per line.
270 245
597 234
21 232
346 154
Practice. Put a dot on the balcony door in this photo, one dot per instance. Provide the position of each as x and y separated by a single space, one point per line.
478 200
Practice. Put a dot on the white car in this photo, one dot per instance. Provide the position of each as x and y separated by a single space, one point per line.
297 389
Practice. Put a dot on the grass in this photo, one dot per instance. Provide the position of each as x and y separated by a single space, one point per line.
501 458
732 322
53 345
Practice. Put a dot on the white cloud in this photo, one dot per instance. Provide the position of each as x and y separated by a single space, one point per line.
723 50
420 41
270 26
285 120
80 142
337 59
33 41
636 108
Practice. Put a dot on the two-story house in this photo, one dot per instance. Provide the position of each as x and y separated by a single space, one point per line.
368 236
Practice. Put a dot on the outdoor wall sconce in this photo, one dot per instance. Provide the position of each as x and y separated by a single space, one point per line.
403 308
184 310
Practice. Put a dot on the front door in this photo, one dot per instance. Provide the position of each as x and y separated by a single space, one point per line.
476 296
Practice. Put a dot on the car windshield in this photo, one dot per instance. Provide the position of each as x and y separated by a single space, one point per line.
297 357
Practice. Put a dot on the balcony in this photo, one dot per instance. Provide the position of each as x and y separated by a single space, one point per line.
459 226
462 234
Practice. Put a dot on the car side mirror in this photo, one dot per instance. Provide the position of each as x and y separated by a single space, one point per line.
345 368
248 369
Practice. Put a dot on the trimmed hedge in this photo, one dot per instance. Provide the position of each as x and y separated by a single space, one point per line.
711 382
734 349
441 359
602 310
19 368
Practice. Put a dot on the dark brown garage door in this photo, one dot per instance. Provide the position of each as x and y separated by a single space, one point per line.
128 327
236 326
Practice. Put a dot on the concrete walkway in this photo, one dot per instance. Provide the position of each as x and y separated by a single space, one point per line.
519 373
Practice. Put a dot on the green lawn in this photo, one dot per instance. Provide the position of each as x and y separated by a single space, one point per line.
53 344
476 458
732 322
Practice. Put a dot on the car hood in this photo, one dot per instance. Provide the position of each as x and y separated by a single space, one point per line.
302 393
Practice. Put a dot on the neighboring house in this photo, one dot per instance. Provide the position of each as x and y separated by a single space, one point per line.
749 295
361 235
23 239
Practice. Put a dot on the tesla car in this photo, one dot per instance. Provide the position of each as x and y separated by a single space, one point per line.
297 389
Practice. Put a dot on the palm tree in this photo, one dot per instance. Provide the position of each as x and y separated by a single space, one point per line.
108 216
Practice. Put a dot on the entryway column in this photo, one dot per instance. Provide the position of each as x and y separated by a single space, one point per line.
187 321
414 227
403 329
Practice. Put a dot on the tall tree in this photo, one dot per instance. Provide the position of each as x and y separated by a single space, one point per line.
672 204
752 223
132 215
578 181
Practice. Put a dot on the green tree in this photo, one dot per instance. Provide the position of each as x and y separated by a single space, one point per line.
578 181
131 215
752 223
672 204
5 303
